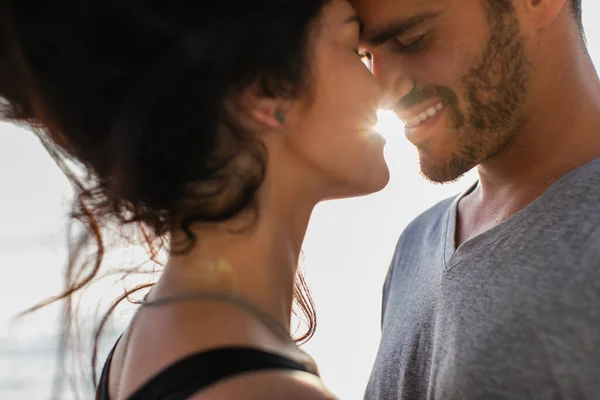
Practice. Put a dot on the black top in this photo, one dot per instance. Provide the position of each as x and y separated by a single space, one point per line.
198 371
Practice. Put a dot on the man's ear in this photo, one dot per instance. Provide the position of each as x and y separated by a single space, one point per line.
541 13
261 109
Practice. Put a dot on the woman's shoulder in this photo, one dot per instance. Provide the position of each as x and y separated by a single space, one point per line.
167 344
272 385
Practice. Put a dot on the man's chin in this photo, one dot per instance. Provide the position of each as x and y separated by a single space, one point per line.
446 170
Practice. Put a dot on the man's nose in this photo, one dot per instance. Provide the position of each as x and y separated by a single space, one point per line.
393 78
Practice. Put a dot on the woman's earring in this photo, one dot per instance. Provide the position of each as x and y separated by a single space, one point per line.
280 117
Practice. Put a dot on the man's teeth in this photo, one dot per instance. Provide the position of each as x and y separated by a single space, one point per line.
419 119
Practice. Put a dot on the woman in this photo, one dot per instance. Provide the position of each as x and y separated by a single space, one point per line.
216 128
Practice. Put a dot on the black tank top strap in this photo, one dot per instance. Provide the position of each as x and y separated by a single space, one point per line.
102 389
198 371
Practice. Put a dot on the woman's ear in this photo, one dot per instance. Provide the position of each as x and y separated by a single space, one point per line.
267 111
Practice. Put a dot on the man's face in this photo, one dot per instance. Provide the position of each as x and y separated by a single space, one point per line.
455 72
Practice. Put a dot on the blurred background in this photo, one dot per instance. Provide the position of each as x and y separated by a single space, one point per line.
347 252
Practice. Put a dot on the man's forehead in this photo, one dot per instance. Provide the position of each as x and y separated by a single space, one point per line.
386 18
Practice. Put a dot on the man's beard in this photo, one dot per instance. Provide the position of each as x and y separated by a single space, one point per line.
495 92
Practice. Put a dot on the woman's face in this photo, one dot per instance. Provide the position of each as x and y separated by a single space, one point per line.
332 126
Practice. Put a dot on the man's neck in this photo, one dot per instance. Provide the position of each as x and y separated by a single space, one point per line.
561 135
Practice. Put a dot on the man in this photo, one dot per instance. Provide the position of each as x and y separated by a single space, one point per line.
494 294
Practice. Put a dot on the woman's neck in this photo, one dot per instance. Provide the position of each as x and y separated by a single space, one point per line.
258 263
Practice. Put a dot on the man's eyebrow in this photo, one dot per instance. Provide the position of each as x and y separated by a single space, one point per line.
354 18
379 36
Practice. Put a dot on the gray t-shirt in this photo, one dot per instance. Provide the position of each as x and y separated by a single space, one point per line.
513 313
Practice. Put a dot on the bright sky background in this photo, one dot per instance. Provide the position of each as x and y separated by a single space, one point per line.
348 248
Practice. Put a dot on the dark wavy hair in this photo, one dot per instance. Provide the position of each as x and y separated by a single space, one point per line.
130 99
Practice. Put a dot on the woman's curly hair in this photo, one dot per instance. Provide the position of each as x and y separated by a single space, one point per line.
130 99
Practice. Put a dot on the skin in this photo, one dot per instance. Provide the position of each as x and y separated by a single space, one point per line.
322 150
522 98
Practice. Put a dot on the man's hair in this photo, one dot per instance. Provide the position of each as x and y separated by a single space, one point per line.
577 13
576 4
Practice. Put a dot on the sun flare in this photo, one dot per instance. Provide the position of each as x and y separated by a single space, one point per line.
388 125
